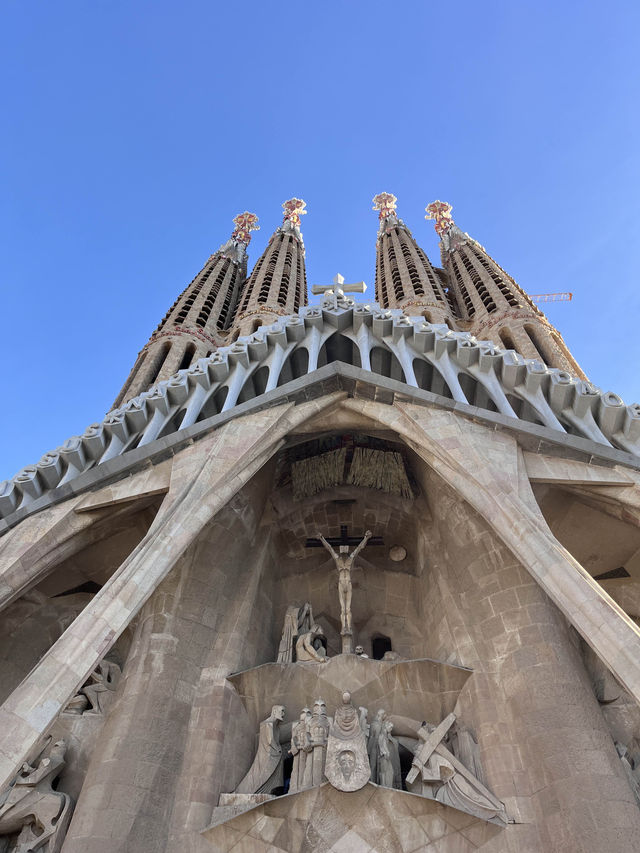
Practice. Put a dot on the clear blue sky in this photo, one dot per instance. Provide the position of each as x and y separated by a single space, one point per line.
134 131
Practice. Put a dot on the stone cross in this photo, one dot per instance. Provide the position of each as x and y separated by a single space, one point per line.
334 293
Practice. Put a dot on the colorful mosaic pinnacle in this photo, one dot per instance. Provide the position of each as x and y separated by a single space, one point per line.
294 208
441 212
245 223
385 203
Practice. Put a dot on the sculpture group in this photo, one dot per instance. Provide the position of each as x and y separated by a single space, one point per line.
348 751
300 634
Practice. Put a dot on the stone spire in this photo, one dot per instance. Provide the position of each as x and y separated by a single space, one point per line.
493 304
278 283
198 320
404 276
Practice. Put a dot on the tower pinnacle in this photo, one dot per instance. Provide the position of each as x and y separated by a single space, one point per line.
294 208
385 203
278 284
195 324
404 276
494 305
245 223
441 212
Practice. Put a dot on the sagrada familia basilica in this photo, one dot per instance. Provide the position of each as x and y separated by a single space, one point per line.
360 576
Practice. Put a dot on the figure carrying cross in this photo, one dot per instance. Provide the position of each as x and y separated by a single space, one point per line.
344 563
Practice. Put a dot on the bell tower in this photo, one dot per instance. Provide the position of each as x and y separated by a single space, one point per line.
405 277
493 304
277 285
197 322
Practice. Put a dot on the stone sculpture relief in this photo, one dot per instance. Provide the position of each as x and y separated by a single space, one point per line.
297 620
95 695
31 810
309 646
266 773
302 751
319 733
347 765
389 774
436 773
348 751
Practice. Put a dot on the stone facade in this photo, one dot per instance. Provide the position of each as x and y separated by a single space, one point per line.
178 620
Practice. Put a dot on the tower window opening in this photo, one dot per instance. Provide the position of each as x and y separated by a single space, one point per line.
537 342
479 285
205 311
507 340
468 302
414 275
156 365
285 279
435 284
395 272
184 311
497 279
187 358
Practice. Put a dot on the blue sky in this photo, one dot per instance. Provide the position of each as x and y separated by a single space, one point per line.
134 131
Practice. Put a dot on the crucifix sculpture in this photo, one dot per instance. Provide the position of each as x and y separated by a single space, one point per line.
344 563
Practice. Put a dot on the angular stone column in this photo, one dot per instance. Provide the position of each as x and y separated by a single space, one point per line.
171 717
204 478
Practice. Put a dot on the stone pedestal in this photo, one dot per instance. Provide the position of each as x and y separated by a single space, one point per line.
347 642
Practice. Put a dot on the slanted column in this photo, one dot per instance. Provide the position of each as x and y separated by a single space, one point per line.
278 283
405 277
494 305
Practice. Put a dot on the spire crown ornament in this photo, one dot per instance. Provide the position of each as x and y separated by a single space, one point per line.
294 208
245 223
441 212
386 204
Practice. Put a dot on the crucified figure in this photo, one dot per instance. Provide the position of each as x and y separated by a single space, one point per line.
344 563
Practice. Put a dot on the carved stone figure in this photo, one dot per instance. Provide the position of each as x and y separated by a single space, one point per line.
309 645
319 733
465 748
436 773
344 563
33 809
360 652
388 768
297 620
93 695
364 723
372 746
302 751
265 774
347 767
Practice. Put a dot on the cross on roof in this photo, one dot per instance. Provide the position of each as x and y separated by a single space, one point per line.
338 284
343 539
